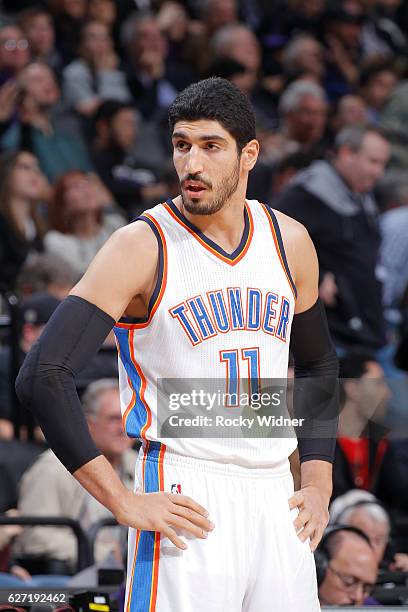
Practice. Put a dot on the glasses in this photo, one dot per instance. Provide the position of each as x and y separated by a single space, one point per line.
12 44
351 583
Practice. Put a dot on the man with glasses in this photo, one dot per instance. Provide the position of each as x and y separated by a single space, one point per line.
351 570
14 52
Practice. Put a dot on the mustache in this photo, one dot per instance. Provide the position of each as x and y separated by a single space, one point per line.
195 177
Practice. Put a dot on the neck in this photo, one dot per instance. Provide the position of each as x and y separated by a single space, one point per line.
85 225
351 422
224 227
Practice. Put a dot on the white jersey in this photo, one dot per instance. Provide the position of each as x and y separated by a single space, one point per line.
213 316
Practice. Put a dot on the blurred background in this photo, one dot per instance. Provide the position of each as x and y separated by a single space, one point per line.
84 149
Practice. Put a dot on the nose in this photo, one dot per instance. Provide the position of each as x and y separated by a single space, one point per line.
194 161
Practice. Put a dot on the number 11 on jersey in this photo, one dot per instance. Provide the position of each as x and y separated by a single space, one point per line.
232 358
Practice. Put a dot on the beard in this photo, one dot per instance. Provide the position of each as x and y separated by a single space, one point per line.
227 188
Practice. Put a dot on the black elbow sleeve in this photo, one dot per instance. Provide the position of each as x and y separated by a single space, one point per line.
45 383
316 388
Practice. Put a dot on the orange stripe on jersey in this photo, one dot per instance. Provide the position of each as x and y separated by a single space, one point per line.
162 285
156 552
130 406
231 262
275 239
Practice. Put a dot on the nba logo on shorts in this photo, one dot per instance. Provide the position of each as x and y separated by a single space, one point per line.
176 489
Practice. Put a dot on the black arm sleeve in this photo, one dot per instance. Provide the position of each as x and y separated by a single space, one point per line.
316 389
46 384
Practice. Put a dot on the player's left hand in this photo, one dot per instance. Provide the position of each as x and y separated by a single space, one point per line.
313 514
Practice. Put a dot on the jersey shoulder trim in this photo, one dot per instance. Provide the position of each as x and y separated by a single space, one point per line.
161 282
280 249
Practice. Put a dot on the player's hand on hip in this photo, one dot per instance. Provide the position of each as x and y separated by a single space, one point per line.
313 514
166 512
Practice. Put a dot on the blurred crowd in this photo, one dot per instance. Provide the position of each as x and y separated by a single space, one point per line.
84 148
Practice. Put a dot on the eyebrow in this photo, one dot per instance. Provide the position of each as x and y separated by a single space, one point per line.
204 138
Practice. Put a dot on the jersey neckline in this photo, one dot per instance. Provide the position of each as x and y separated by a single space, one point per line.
230 258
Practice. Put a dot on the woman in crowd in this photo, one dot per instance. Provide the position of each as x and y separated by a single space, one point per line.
81 218
94 76
22 188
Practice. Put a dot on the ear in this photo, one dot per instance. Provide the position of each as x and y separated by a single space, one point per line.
250 154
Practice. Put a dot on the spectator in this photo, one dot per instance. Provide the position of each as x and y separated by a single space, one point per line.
22 188
38 26
44 127
303 115
47 489
342 37
217 14
362 441
153 81
304 54
238 43
43 273
35 312
79 220
377 82
104 11
131 181
361 509
334 202
394 245
382 36
350 568
351 110
14 52
69 15
94 77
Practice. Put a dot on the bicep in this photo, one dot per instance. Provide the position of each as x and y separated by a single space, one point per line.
121 270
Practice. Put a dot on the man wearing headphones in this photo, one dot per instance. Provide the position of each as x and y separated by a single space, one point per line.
346 567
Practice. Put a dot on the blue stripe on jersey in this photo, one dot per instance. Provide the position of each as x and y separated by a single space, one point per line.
219 310
254 309
137 417
143 576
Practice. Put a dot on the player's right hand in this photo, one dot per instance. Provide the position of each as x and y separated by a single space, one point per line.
165 512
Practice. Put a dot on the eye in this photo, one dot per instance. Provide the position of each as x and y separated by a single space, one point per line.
181 145
211 146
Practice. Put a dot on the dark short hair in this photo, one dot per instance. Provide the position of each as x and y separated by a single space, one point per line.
219 100
108 109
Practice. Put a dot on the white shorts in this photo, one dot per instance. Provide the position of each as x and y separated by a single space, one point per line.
252 561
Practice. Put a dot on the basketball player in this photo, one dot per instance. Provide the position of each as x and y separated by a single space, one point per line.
211 281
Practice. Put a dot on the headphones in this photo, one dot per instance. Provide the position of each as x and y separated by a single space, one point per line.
322 553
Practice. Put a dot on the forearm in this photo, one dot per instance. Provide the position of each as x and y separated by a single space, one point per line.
318 474
100 479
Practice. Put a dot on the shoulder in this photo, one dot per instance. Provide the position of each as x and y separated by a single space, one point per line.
137 235
299 248
75 69
289 227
